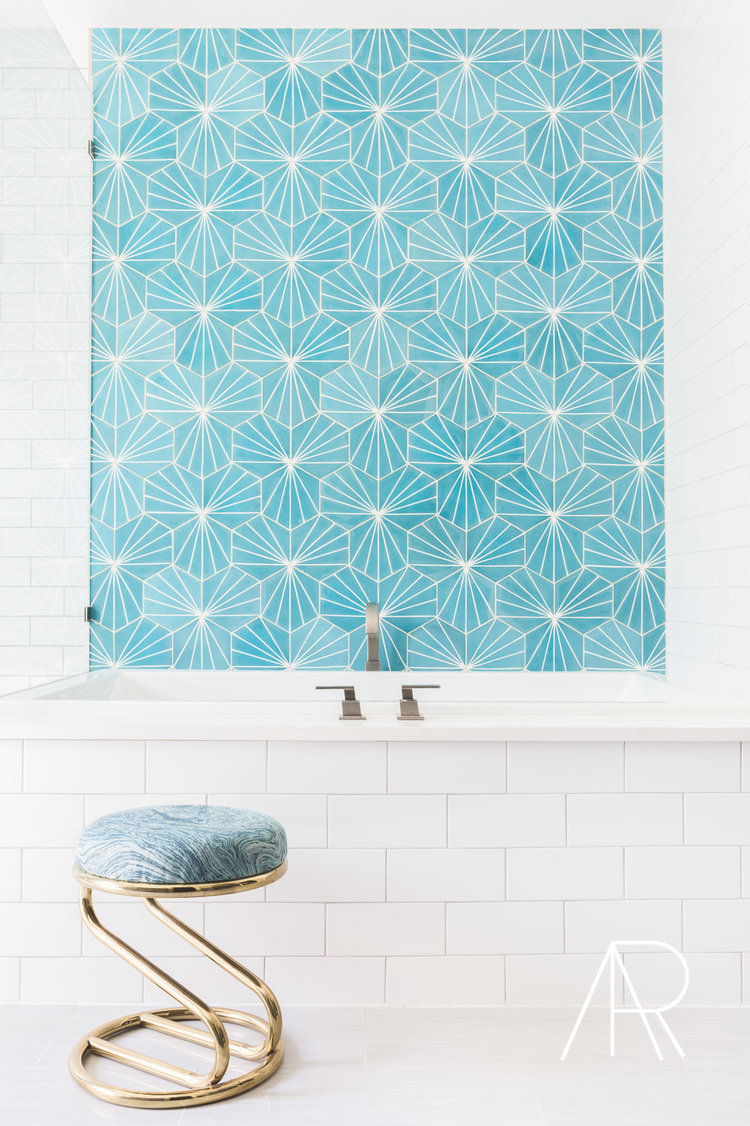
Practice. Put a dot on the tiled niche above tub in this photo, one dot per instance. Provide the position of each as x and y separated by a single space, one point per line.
377 316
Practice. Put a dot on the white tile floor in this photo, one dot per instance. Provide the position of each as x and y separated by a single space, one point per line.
414 1067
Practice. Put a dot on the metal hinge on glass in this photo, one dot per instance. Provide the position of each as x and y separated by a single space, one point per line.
92 149
88 613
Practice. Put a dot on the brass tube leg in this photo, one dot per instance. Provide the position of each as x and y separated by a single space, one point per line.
230 965
201 1088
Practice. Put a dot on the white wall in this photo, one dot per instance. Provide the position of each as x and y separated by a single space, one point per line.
469 873
707 242
45 177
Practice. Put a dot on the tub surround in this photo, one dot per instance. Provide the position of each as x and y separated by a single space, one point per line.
413 862
501 842
383 325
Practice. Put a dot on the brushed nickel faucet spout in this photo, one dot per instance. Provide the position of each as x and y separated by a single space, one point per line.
372 633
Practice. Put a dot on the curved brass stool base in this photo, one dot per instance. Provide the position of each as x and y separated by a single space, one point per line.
167 1021
212 1085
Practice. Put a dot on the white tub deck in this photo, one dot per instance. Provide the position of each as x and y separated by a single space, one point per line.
278 705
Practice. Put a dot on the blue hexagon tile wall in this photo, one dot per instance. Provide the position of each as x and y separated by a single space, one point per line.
377 316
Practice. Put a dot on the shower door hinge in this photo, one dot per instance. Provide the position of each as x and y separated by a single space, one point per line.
88 613
92 149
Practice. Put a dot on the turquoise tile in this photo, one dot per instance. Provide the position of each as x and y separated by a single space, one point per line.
264 49
554 51
293 94
319 645
344 596
142 644
380 50
260 645
206 49
378 315
322 50
436 645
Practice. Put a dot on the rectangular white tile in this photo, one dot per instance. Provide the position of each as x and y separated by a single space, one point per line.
197 765
440 874
746 979
504 928
48 875
560 768
710 872
362 929
71 766
302 815
10 979
611 819
13 572
680 767
745 865
720 819
10 765
565 873
591 926
266 928
386 821
38 929
10 876
326 768
331 875
715 979
551 980
16 631
505 820
444 980
80 981
40 820
722 925
446 768
327 981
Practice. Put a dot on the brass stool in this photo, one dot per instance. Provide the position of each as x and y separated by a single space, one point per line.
179 852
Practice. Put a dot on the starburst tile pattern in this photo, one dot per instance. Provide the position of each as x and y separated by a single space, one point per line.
378 316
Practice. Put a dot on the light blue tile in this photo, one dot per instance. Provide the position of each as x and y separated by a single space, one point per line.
378 315
554 51
436 645
260 645
264 49
293 94
206 49
318 645
380 50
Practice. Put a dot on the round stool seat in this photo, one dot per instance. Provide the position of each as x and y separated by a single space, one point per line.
181 844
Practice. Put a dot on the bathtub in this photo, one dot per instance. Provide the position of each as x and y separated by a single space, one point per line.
454 705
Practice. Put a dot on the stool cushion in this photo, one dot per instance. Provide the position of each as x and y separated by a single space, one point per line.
181 844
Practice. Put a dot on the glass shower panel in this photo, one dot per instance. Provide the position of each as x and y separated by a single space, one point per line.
45 254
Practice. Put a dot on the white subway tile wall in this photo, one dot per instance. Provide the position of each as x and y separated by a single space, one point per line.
45 281
397 897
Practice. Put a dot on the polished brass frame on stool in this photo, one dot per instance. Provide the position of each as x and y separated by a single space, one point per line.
206 1088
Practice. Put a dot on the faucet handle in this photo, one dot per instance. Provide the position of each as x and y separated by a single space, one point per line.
408 706
350 705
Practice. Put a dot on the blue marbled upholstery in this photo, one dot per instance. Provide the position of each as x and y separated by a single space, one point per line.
181 844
